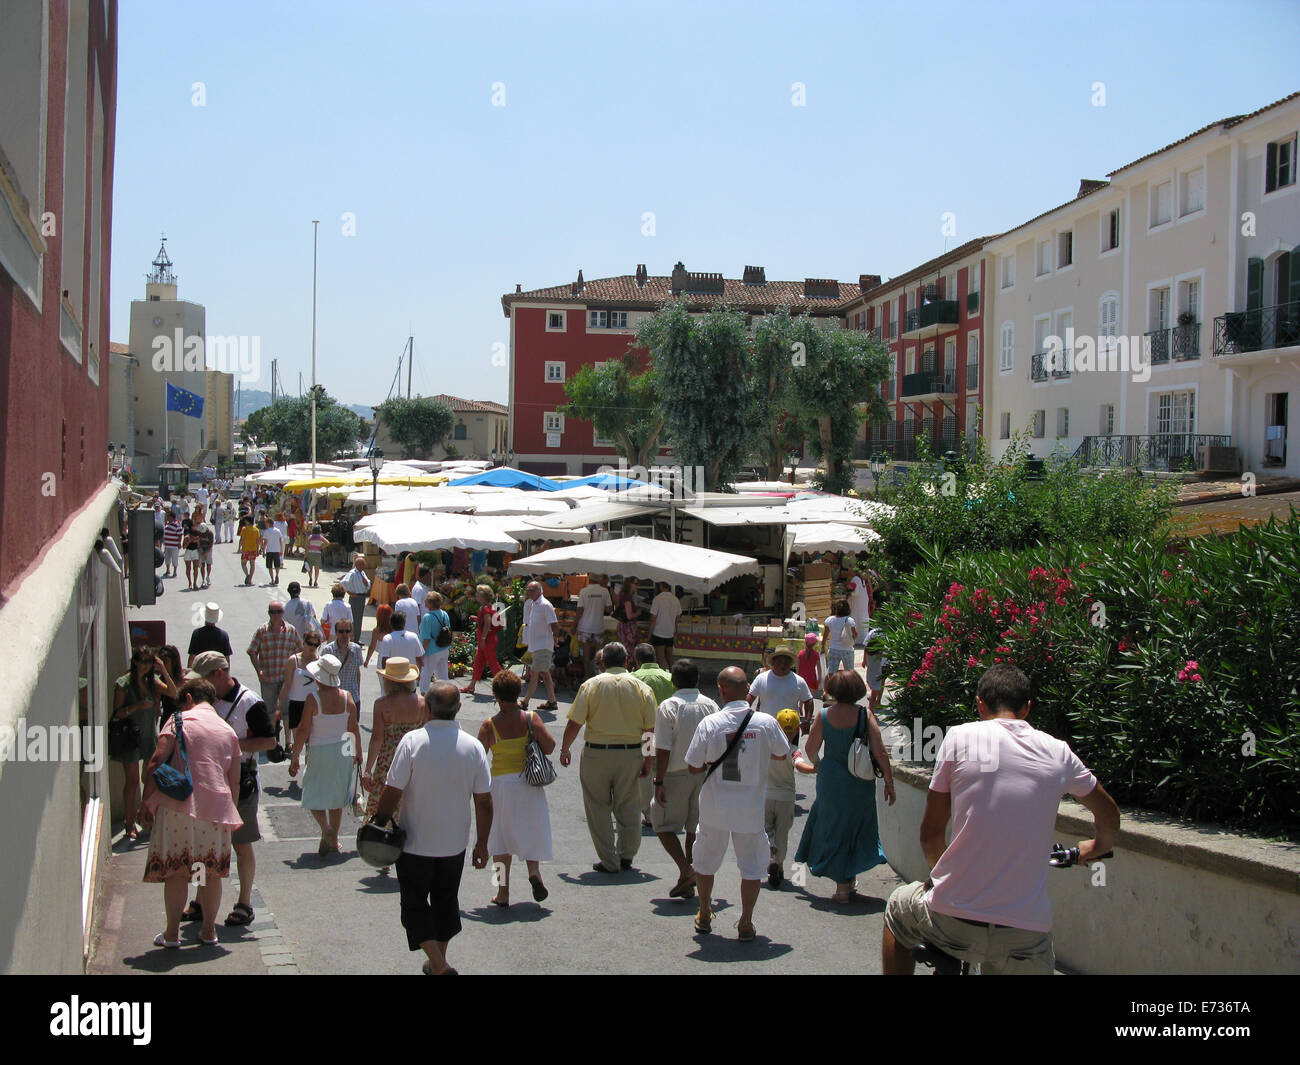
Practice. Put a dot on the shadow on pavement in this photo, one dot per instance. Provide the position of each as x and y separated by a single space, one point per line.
726 948
666 907
377 884
862 905
162 960
516 913
620 879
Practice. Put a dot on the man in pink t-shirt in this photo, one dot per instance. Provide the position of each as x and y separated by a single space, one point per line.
999 781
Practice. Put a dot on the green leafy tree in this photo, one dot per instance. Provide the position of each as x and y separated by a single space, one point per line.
780 428
622 405
834 375
287 422
703 367
418 424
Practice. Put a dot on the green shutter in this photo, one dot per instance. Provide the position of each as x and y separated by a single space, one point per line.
1254 284
1270 168
1294 297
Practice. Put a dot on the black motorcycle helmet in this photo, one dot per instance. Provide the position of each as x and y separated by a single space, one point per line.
380 845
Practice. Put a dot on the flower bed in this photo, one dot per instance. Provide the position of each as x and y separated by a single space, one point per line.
1171 671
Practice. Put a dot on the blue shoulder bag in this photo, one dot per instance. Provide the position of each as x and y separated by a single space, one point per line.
171 782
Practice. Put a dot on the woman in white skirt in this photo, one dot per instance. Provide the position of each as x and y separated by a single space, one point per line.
329 729
521 822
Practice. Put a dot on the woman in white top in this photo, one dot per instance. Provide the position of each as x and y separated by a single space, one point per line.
841 634
296 684
329 728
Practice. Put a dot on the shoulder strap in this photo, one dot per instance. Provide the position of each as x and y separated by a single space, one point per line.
735 739
495 731
859 730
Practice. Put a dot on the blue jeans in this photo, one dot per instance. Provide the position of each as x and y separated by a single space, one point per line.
838 658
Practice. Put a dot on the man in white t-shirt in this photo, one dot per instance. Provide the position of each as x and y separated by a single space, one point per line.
999 781
781 688
665 609
408 608
434 771
400 643
594 603
273 547
541 630
419 593
732 798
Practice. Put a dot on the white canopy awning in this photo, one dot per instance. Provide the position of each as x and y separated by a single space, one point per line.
433 499
421 530
829 536
517 503
599 513
523 529
694 568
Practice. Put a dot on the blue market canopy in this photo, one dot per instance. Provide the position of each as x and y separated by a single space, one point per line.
508 477
611 482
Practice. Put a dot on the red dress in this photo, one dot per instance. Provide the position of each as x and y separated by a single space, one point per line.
485 657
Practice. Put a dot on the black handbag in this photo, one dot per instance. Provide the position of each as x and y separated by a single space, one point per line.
123 737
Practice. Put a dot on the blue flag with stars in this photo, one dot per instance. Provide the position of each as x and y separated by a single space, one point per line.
178 399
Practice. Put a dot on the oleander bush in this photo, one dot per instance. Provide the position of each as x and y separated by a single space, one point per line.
1172 668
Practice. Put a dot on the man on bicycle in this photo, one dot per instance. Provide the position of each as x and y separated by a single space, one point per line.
999 781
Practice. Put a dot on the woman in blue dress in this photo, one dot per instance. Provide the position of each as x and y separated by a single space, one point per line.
841 837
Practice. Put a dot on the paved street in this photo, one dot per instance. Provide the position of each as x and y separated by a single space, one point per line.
338 915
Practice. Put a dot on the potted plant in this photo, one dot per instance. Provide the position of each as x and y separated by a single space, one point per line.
1187 318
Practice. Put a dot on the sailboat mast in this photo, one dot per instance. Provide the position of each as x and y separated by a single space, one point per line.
410 342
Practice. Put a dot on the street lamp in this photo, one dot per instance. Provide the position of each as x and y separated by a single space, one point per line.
494 457
878 462
794 457
376 463
510 458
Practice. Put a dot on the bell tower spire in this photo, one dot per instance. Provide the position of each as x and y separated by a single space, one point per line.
160 283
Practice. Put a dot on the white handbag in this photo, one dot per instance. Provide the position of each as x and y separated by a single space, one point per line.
861 764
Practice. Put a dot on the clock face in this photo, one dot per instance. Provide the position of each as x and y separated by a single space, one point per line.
157 319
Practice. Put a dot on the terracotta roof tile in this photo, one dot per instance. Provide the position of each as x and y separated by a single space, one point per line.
623 291
476 406
918 272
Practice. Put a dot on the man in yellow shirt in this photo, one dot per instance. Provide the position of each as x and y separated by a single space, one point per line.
249 539
619 713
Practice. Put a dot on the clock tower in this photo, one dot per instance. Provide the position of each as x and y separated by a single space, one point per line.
162 326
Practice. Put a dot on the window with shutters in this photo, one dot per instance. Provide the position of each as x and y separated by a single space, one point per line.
1107 426
1040 424
1007 358
1004 428
554 373
1192 192
554 423
1280 164
972 361
1162 203
1009 270
1176 412
1107 327
1062 421
1043 257
1065 249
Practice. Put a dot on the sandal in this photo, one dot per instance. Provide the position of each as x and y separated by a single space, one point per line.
194 912
209 942
550 704
241 914
704 923
539 889
847 897
746 932
684 888
161 940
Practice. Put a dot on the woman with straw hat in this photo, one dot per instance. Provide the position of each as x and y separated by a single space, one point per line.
397 711
329 727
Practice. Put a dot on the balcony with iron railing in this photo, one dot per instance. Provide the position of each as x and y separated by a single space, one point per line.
1157 346
1185 341
1257 330
1038 366
930 383
972 303
1153 451
905 450
929 318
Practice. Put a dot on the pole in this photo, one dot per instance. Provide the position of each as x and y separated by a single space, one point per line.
315 229
410 362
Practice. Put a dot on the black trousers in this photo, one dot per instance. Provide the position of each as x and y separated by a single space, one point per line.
430 889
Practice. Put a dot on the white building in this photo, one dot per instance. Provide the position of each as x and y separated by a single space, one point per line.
1171 288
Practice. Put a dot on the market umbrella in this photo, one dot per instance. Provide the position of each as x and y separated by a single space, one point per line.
829 536
694 568
433 499
517 503
523 529
422 530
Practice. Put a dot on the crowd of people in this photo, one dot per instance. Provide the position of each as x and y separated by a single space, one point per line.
705 775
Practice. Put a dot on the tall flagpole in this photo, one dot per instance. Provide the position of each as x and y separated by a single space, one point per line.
315 229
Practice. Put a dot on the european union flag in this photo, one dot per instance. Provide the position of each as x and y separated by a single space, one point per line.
178 399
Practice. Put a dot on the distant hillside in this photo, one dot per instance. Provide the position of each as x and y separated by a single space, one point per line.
253 399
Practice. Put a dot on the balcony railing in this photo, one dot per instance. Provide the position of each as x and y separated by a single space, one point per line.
1239 332
1038 366
929 382
1158 345
1186 341
939 312
1155 451
905 450
1062 362
972 303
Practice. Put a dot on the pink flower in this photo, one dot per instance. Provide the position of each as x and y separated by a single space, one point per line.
972 661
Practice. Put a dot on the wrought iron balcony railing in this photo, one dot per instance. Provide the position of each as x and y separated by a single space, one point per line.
972 302
1038 366
929 382
938 312
1158 345
1186 341
1154 451
1239 332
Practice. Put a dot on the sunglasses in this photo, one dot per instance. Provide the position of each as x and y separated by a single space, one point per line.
312 643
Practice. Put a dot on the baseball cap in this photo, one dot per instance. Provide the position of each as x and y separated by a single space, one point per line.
789 722
210 662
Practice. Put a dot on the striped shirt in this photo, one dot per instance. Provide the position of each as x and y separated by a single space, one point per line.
172 533
356 582
350 674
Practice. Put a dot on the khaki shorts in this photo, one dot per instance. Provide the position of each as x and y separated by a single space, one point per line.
752 852
544 658
1000 951
682 808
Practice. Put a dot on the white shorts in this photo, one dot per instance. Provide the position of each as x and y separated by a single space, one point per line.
752 852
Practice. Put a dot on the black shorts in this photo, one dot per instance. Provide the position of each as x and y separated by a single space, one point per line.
295 712
430 889
661 641
273 559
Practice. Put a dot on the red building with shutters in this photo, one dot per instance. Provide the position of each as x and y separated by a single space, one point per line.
556 331
933 320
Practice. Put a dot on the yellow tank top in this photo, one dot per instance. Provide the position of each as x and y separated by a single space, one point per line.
508 755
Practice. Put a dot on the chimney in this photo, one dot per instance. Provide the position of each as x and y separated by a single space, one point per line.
678 281
1087 185
641 275
820 288
868 281
576 287
754 275
518 287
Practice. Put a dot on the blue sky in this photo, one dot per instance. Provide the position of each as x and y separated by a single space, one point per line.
612 110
